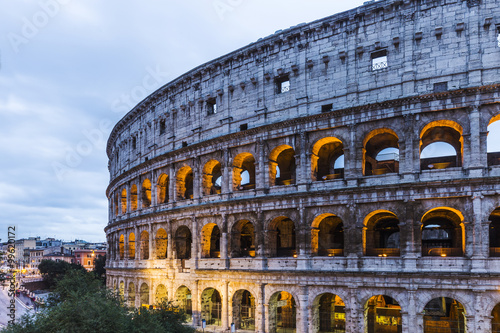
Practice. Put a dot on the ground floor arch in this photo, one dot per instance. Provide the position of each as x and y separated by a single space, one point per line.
328 315
144 294
161 294
444 315
131 294
495 319
244 310
211 307
382 315
282 313
183 300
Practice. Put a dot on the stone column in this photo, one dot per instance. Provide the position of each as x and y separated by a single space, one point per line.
481 243
172 180
225 306
302 325
302 177
197 175
170 239
196 304
154 190
126 235
411 313
352 324
195 252
152 243
260 310
137 243
227 174
261 167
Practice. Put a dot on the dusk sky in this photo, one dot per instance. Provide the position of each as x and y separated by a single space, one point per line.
71 69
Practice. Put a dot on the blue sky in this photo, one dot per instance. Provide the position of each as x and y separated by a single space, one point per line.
69 70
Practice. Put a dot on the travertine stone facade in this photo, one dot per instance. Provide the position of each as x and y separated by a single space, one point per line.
282 187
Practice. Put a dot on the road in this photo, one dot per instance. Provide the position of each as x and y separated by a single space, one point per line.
4 303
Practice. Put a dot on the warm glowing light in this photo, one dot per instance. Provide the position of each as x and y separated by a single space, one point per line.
295 256
443 254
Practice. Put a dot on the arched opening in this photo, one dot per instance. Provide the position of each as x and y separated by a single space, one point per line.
327 236
444 314
144 294
131 246
185 183
183 243
121 246
161 244
381 152
144 245
183 299
212 178
243 172
493 141
146 193
442 233
116 198
211 307
244 310
328 314
441 145
133 197
121 291
382 315
243 239
162 189
282 237
282 166
131 294
124 201
495 319
495 233
282 313
210 241
161 294
326 156
382 234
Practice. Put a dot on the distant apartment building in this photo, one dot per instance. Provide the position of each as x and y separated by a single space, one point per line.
86 257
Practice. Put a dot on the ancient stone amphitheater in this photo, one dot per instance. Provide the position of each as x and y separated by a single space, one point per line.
333 177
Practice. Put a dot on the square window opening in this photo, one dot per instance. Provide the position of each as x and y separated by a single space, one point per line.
327 108
440 87
243 127
162 127
211 106
184 144
283 85
134 143
379 60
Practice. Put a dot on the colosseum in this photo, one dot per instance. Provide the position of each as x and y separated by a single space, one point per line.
333 177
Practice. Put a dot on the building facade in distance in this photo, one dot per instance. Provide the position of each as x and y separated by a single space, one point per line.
334 177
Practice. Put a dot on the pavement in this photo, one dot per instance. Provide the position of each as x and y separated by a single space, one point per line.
22 306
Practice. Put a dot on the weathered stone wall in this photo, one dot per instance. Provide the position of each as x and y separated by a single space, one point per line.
441 84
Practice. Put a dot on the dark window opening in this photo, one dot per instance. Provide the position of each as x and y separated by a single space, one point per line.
440 87
162 127
184 144
379 60
498 35
327 108
211 106
146 159
243 127
134 143
282 85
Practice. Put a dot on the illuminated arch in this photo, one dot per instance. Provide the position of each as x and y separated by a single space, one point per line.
243 172
282 166
381 152
212 177
325 154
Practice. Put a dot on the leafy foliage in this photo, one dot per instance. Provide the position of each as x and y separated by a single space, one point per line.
80 303
53 271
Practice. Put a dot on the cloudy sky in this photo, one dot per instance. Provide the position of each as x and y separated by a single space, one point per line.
70 69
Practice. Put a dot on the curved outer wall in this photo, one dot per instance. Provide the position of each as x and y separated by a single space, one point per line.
440 83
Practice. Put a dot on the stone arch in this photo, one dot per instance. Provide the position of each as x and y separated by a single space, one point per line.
146 193
162 189
131 246
184 183
282 239
133 197
381 236
183 300
183 240
441 131
210 241
211 306
327 236
382 313
144 249
443 233
131 294
212 178
328 314
494 233
243 172
282 166
381 152
325 154
121 291
124 201
144 294
116 199
161 294
282 312
121 246
243 305
444 312
161 241
243 239
495 319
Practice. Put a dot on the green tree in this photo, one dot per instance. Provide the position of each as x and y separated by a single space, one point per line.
99 270
52 271
80 303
